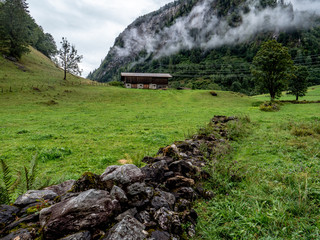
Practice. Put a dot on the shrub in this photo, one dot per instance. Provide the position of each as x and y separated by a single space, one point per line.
269 107
213 93
115 84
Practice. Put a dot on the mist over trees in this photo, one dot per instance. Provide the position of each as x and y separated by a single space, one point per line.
18 30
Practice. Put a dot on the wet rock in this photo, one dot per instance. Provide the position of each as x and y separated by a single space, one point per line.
34 196
62 188
123 175
21 234
128 229
119 194
7 214
131 212
179 181
136 188
88 210
90 181
78 236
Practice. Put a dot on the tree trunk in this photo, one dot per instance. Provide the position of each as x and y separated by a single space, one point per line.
65 74
297 97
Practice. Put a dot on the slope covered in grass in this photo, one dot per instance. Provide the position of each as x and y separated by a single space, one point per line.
34 69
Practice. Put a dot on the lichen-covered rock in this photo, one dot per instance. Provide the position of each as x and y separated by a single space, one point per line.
89 209
155 172
168 220
33 196
62 188
123 175
184 168
128 229
179 181
90 181
21 234
160 235
163 199
7 214
136 188
119 194
131 212
78 236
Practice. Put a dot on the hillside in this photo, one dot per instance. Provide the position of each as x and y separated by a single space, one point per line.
210 44
33 70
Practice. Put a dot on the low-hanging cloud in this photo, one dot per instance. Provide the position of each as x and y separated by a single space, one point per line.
202 28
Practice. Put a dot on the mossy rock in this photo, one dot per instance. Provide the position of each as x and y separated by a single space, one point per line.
90 180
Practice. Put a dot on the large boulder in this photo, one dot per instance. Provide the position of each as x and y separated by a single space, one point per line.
128 229
7 214
123 175
34 196
88 210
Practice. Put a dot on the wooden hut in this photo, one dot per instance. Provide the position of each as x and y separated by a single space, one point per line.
145 80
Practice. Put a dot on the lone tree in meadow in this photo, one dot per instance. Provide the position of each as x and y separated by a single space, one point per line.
69 58
298 83
271 68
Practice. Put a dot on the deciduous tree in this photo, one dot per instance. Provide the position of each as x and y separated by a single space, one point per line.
271 68
69 58
298 84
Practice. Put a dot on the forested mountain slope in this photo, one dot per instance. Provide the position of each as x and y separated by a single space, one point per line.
211 43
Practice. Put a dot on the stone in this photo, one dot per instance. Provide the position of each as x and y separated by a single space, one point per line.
128 229
185 168
119 194
124 175
186 193
182 205
90 181
78 236
160 235
24 220
131 212
88 210
21 234
179 181
155 173
33 196
136 188
163 199
144 217
7 214
170 151
62 188
168 220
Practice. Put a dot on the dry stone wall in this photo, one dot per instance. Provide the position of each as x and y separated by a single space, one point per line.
125 202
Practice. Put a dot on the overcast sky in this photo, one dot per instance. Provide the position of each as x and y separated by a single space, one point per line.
91 25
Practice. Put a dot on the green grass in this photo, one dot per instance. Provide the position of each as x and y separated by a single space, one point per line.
74 129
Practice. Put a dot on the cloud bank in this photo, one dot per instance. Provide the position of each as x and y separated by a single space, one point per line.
202 28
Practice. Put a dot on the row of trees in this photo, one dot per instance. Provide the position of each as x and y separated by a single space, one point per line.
18 31
273 71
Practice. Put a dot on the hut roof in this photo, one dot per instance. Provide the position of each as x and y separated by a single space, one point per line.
154 75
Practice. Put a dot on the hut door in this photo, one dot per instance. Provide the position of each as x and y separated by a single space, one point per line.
146 86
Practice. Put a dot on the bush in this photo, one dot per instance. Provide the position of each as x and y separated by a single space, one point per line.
269 107
213 93
115 84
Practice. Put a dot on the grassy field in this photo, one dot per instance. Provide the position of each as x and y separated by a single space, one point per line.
72 129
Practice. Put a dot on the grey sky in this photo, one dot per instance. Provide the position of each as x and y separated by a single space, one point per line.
91 25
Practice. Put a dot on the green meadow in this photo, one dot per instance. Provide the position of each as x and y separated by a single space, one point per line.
266 188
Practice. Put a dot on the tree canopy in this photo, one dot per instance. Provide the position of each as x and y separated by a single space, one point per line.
271 68
298 84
